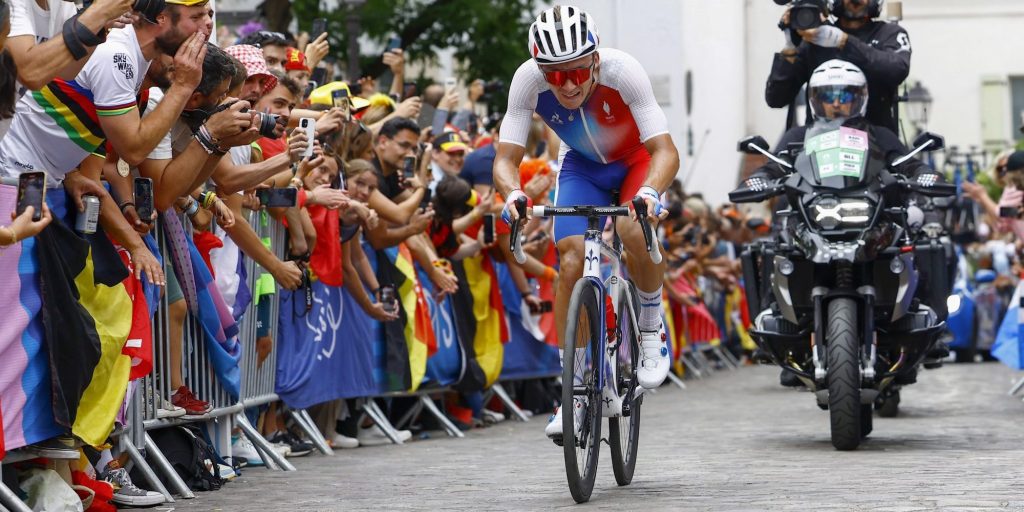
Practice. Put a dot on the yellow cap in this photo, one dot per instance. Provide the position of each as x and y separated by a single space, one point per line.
187 2
322 95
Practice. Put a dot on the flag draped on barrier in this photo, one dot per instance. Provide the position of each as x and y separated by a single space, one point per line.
527 353
446 364
1007 345
324 354
491 331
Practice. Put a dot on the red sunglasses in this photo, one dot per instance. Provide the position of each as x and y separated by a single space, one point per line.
577 75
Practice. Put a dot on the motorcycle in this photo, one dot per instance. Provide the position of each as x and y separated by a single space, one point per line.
850 293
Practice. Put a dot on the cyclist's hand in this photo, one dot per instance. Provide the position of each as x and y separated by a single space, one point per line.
509 214
655 211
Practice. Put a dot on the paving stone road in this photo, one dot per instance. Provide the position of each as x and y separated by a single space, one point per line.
736 441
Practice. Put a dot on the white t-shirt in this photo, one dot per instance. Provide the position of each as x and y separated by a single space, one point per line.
28 19
55 128
176 141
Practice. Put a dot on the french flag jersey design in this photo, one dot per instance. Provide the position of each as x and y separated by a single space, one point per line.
620 115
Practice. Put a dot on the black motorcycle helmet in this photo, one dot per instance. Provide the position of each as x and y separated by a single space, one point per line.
874 8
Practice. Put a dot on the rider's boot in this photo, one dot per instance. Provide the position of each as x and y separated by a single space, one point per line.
654 360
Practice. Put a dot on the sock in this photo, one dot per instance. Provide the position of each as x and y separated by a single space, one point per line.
650 310
105 458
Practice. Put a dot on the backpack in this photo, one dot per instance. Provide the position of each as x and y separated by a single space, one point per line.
191 455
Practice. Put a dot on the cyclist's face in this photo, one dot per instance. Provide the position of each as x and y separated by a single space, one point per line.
570 94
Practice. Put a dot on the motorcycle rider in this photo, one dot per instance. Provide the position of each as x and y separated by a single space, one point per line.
882 50
838 96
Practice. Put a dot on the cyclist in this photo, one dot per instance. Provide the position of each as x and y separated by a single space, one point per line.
614 138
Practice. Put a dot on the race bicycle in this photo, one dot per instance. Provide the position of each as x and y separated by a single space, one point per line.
601 348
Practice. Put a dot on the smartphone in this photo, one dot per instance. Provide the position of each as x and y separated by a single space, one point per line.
277 197
339 97
489 228
409 90
546 306
319 27
319 76
32 192
387 298
394 43
143 188
309 126
409 167
449 84
1009 212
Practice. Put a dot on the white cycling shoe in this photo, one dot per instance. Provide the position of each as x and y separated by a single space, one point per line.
654 360
554 427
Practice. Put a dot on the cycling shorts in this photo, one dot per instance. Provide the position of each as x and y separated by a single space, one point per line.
584 182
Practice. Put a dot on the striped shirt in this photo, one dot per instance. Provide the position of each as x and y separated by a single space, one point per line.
58 126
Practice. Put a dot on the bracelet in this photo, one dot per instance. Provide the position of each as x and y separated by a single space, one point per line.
192 208
14 236
126 204
209 198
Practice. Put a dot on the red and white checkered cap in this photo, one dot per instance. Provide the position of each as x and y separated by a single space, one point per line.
252 58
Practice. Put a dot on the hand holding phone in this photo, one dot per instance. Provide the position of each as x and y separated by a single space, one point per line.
393 44
143 189
277 197
1009 212
319 27
309 126
31 192
409 167
489 228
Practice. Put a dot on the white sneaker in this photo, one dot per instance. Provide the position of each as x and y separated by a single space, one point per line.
227 472
554 427
166 409
243 448
491 417
654 361
341 441
374 436
282 449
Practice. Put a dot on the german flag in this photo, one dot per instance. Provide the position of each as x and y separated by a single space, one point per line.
488 309
419 332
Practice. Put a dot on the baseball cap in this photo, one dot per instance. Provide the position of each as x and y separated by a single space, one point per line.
295 60
322 95
1015 162
255 65
450 141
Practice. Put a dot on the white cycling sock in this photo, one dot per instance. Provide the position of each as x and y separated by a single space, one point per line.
650 310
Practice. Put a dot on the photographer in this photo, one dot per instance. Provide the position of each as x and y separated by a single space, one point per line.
1011 171
880 49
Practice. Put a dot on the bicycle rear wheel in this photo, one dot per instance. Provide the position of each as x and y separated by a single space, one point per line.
580 390
624 431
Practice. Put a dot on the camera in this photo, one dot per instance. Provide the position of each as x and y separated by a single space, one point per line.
268 123
805 14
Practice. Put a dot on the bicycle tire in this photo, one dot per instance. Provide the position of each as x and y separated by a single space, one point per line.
581 455
626 428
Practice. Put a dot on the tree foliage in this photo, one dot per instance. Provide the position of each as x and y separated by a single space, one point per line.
489 36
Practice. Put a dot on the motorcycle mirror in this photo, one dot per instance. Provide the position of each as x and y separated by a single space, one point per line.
744 145
937 141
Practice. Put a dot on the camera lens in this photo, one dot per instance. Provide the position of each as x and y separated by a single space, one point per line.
268 123
805 18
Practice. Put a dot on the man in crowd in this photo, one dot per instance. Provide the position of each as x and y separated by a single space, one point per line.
880 49
447 157
274 46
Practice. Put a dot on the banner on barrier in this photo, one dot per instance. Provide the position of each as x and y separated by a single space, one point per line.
447 364
527 354
324 354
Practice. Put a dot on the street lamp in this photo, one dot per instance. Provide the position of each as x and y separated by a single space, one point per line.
919 100
354 29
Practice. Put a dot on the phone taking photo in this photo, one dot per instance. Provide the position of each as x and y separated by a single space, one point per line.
489 220
340 100
393 44
143 192
409 167
319 27
31 192
309 126
277 197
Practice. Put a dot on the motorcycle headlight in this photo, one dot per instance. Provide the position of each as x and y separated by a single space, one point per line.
831 213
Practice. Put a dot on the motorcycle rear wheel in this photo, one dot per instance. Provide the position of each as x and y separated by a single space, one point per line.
844 374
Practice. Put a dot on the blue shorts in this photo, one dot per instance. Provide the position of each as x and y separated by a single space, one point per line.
584 182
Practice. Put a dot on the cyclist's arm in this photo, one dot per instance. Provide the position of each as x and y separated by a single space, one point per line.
635 87
664 162
515 127
506 167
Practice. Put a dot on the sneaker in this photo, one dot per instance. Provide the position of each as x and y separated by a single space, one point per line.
654 362
491 417
296 446
125 492
554 427
243 449
342 441
60 447
282 449
374 436
227 472
193 406
168 410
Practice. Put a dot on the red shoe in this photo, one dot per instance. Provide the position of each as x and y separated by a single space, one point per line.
186 400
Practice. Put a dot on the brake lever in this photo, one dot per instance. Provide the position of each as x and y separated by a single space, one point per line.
640 207
514 239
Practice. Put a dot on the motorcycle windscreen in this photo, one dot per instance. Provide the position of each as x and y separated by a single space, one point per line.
838 156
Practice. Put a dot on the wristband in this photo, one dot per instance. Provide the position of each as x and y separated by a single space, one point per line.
86 36
71 41
193 207
549 274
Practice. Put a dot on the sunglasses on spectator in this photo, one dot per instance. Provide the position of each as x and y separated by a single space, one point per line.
831 95
576 75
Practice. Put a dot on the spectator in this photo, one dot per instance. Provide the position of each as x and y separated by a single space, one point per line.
274 46
478 169
22 226
447 157
296 67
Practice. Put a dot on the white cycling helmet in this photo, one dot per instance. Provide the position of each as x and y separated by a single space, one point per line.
837 79
562 33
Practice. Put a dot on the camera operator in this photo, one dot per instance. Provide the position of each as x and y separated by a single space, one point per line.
880 49
1008 210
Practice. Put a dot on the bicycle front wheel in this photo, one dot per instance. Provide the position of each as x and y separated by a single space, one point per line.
624 431
581 395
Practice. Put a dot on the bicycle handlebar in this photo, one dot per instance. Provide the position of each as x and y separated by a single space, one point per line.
584 211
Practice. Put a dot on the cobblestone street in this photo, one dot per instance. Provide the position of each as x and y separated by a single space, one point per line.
734 441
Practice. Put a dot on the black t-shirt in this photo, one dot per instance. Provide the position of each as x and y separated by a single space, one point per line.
389 185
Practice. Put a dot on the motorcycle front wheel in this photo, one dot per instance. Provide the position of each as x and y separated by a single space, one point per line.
843 345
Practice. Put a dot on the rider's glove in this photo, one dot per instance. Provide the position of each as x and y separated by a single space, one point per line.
510 203
828 36
647 192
